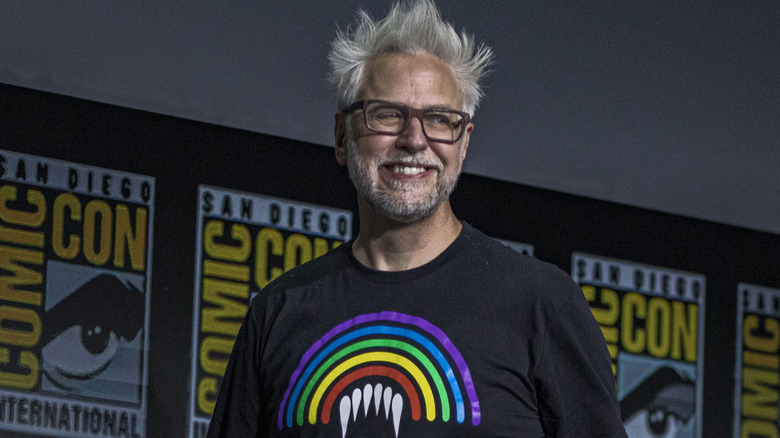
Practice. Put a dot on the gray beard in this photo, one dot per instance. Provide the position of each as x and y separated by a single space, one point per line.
396 207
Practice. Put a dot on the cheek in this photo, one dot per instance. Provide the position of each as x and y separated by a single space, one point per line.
451 155
372 147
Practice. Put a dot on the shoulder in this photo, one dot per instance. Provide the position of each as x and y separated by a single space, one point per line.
520 278
492 255
311 272
293 286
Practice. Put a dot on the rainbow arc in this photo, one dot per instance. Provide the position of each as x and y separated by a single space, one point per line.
409 351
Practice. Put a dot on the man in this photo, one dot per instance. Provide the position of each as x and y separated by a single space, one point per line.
422 326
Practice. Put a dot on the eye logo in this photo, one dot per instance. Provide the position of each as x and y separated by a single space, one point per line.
88 331
418 363
660 405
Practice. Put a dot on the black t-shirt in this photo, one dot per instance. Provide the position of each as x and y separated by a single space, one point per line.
482 341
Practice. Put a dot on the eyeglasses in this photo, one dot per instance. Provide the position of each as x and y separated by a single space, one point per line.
382 117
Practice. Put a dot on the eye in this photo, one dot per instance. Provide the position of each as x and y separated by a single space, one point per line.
79 353
655 423
661 405
443 121
387 116
85 331
95 339
439 119
388 113
659 421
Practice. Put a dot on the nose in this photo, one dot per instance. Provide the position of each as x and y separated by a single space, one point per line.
412 137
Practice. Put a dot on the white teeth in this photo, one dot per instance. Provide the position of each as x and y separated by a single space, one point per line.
406 170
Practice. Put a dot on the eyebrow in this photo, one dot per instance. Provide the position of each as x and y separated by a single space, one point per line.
431 107
441 108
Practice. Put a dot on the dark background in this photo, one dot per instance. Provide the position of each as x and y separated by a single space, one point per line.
665 105
181 154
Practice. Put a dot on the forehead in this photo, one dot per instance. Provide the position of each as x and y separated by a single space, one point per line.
420 80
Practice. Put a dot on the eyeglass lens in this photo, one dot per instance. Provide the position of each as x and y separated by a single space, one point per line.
389 118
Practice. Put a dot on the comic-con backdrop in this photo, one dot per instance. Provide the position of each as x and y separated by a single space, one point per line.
131 244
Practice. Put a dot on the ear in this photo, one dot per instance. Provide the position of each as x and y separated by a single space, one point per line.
340 134
466 138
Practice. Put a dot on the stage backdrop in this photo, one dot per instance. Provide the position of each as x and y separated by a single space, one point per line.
131 244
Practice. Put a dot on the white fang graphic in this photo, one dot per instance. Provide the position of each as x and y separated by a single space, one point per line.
366 399
398 406
387 396
349 406
344 409
356 394
377 396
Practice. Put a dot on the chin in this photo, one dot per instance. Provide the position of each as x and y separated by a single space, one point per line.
405 208
406 216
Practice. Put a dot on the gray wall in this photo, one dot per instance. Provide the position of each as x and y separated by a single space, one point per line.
660 105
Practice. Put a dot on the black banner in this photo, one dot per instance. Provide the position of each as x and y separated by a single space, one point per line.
101 205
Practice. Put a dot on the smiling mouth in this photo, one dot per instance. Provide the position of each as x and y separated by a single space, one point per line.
406 170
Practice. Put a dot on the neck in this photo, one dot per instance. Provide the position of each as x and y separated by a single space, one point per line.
388 245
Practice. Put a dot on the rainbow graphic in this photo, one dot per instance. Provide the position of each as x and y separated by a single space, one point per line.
413 353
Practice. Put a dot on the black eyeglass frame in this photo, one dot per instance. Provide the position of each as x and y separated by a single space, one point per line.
409 113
